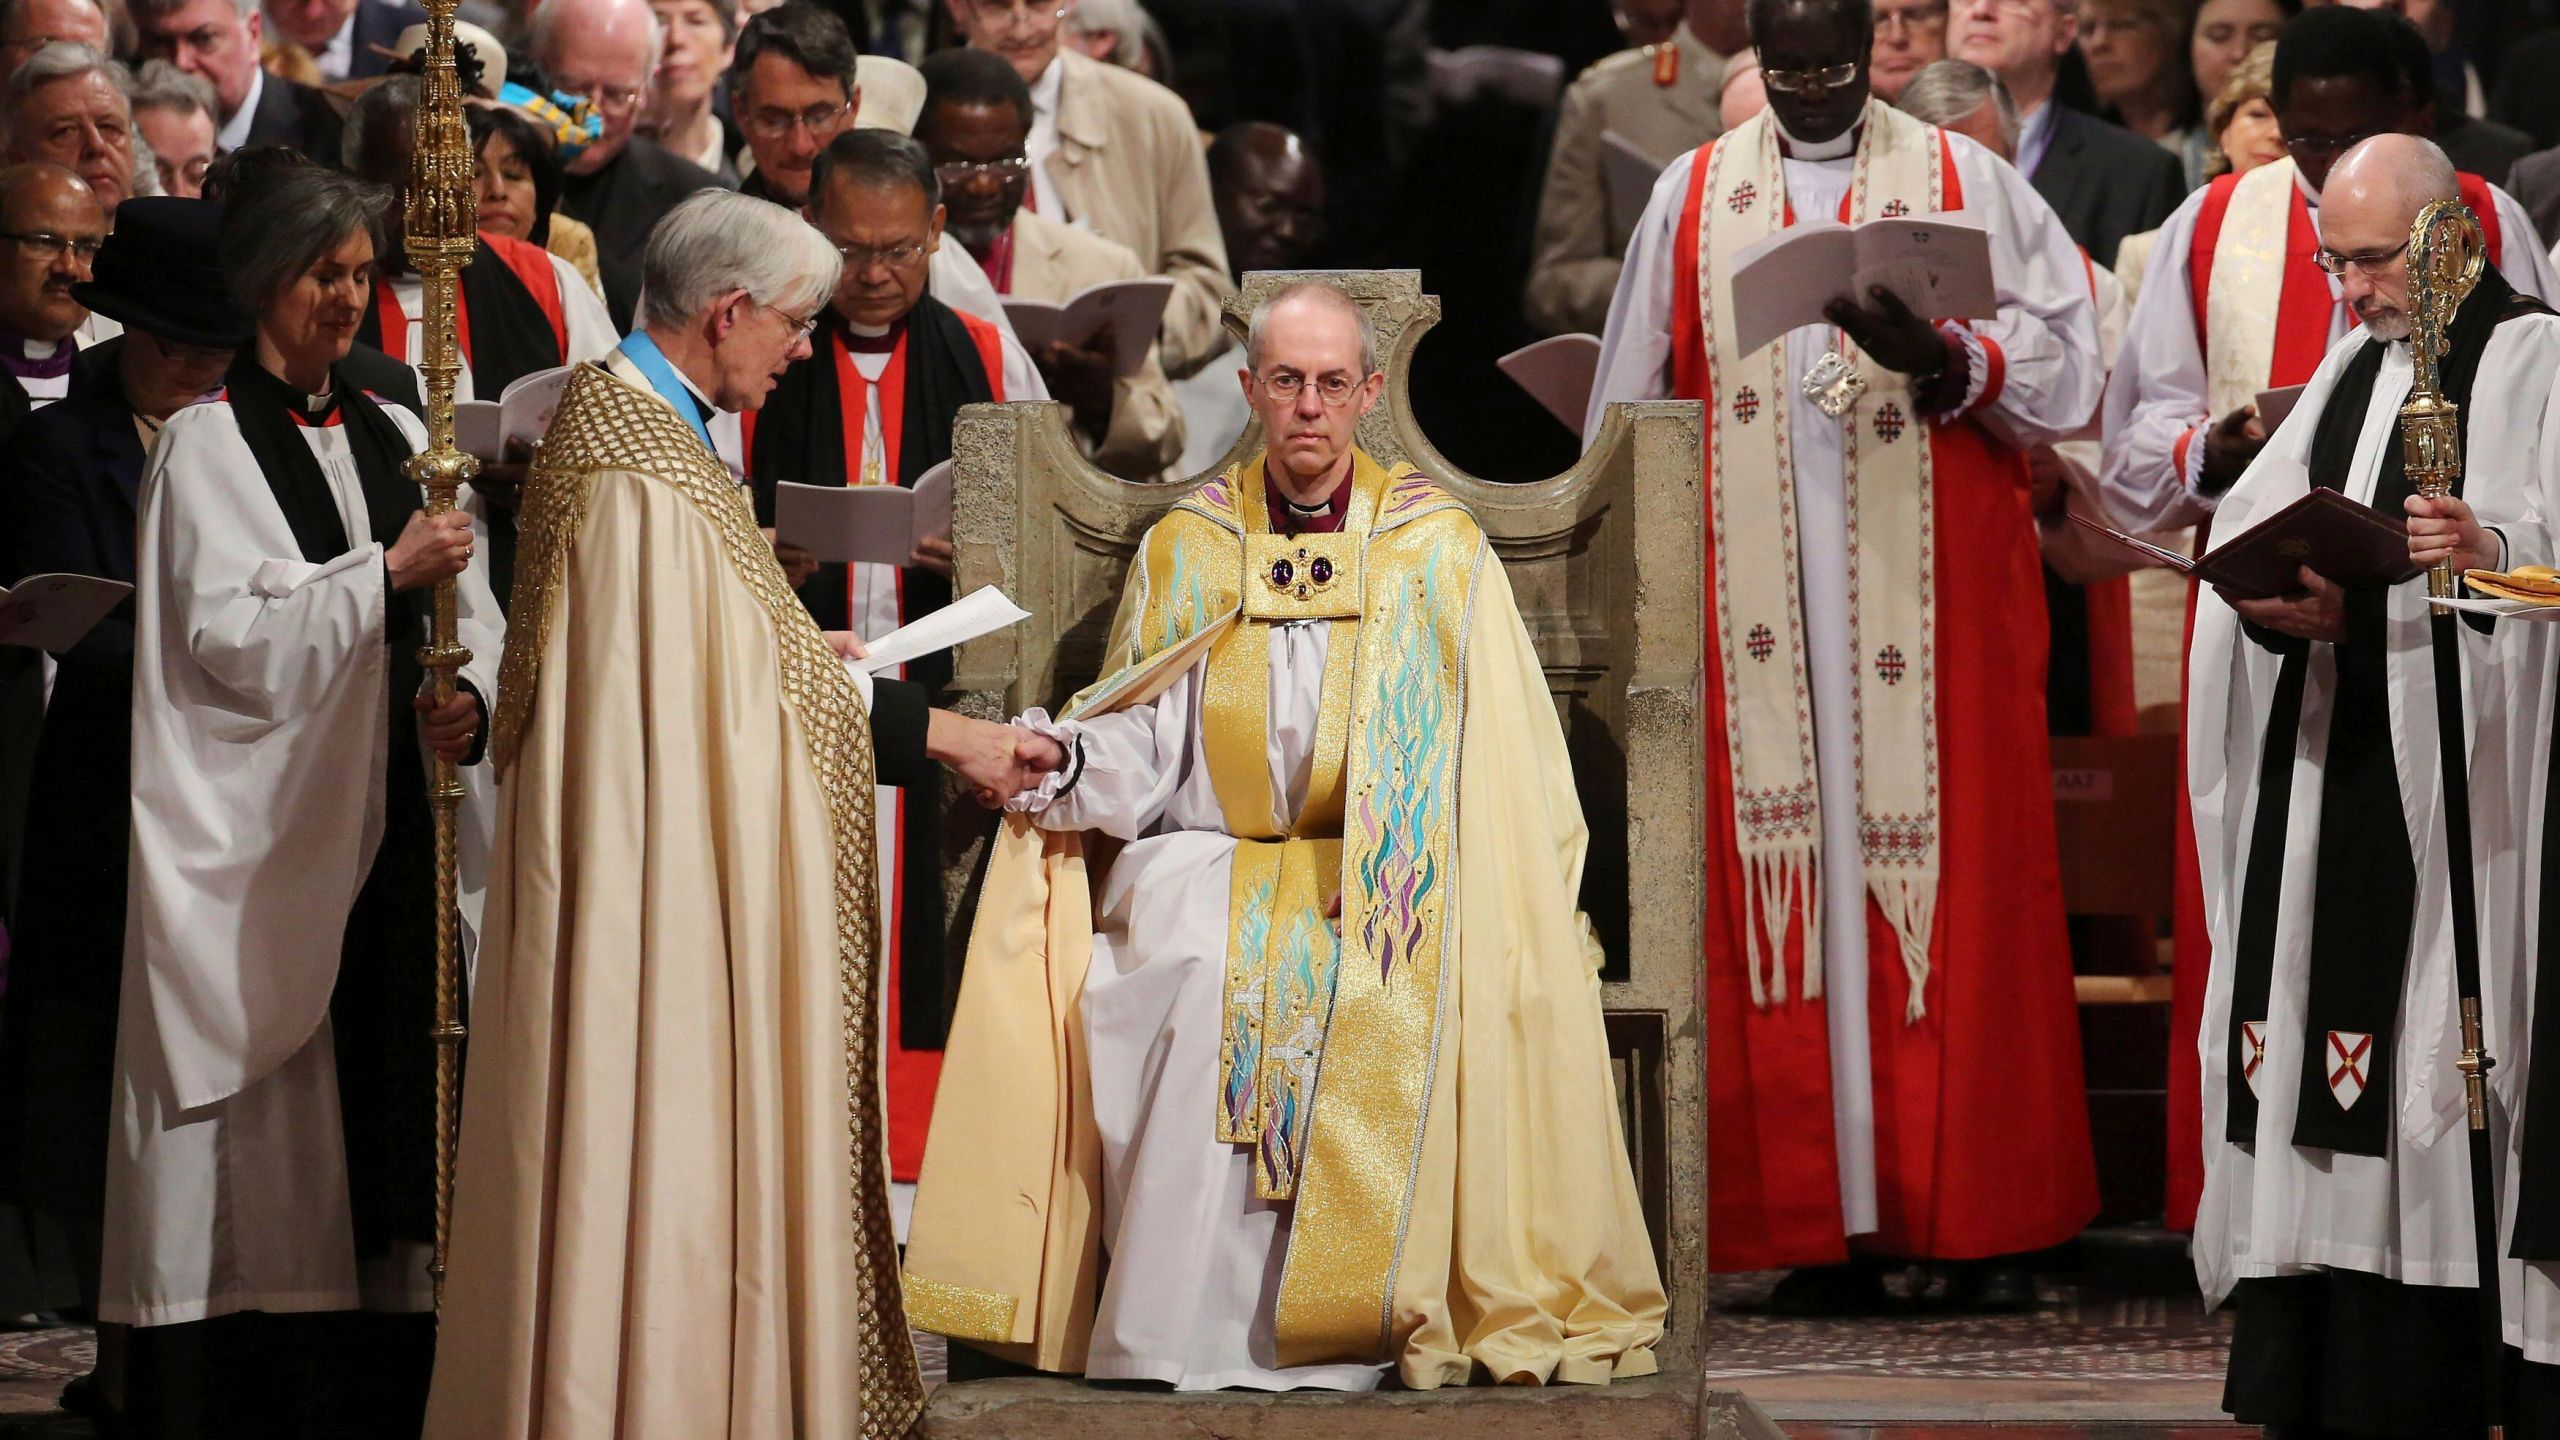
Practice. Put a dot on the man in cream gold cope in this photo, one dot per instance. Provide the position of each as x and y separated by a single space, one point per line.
2337 1195
1347 843
1884 919
674 1126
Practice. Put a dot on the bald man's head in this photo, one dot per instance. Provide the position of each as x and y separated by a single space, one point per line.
2372 197
55 223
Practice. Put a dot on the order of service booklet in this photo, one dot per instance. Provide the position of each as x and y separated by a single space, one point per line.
1940 266
2339 539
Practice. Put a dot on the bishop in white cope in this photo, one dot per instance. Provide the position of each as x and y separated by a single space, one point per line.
2337 1193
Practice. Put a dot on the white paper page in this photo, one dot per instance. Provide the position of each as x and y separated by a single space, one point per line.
1941 267
531 402
478 428
982 611
1784 281
1630 174
52 612
843 523
933 504
1557 372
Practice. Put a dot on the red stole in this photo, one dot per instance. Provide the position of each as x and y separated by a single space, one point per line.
531 265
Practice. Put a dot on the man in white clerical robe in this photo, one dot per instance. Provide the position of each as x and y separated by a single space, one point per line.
1888 978
2336 1209
1320 1062
671 1213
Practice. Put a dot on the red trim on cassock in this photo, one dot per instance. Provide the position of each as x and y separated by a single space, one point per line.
990 343
1989 1082
2483 200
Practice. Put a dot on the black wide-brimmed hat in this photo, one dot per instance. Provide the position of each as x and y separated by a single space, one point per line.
158 273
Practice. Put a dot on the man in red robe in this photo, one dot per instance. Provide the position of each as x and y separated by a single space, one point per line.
2234 305
873 405
1893 1051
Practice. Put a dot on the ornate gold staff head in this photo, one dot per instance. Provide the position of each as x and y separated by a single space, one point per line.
2446 252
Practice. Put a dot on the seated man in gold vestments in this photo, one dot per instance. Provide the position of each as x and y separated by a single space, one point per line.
1318 1058
671 1215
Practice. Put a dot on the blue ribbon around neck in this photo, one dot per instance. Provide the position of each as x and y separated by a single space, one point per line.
661 372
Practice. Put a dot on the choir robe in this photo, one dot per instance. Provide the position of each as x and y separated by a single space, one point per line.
274 1110
1836 1117
2335 1148
2195 351
860 412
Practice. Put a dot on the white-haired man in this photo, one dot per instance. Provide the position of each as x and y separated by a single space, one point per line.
218 41
2337 1190
606 51
67 105
1350 840
675 1131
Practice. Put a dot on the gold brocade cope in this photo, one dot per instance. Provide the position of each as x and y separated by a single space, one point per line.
1383 777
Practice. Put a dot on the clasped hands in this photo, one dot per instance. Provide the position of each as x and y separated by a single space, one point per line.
998 761
2439 529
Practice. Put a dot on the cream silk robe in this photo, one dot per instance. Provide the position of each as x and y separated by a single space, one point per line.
671 1215
1439 1093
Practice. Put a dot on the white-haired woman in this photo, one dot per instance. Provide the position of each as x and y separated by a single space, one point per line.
271 1172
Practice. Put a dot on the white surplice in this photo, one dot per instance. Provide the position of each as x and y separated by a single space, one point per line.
2271 1208
259 767
2158 392
2047 332
1195 1259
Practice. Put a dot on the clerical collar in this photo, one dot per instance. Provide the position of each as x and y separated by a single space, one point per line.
873 339
312 412
1838 147
1323 518
37 359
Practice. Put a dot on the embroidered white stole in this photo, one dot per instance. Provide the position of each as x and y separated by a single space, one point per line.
1759 605
2244 291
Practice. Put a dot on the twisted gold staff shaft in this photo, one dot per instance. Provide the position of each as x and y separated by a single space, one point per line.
441 217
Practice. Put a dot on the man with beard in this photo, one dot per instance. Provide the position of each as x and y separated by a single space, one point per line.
976 118
2337 1207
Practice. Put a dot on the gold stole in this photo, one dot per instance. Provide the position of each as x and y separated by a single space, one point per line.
1754 404
1348 1012
2244 294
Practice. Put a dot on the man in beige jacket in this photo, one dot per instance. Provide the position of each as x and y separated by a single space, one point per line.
1117 154
976 123
1661 99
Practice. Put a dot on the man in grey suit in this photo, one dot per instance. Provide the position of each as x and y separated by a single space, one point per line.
2103 180
1661 99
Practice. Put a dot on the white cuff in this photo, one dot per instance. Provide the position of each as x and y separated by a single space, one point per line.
1059 781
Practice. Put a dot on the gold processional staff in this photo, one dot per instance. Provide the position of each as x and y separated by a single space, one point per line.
2446 252
441 217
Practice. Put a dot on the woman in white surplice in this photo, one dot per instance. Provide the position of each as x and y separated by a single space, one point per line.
271 1166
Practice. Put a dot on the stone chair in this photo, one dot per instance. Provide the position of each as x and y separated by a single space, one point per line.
1605 561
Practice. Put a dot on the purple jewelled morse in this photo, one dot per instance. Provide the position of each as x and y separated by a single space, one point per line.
1282 572
1321 570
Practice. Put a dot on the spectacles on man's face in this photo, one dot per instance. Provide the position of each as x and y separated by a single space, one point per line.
800 329
1915 19
959 174
2371 262
821 121
46 245
859 258
1334 388
618 98
1795 82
